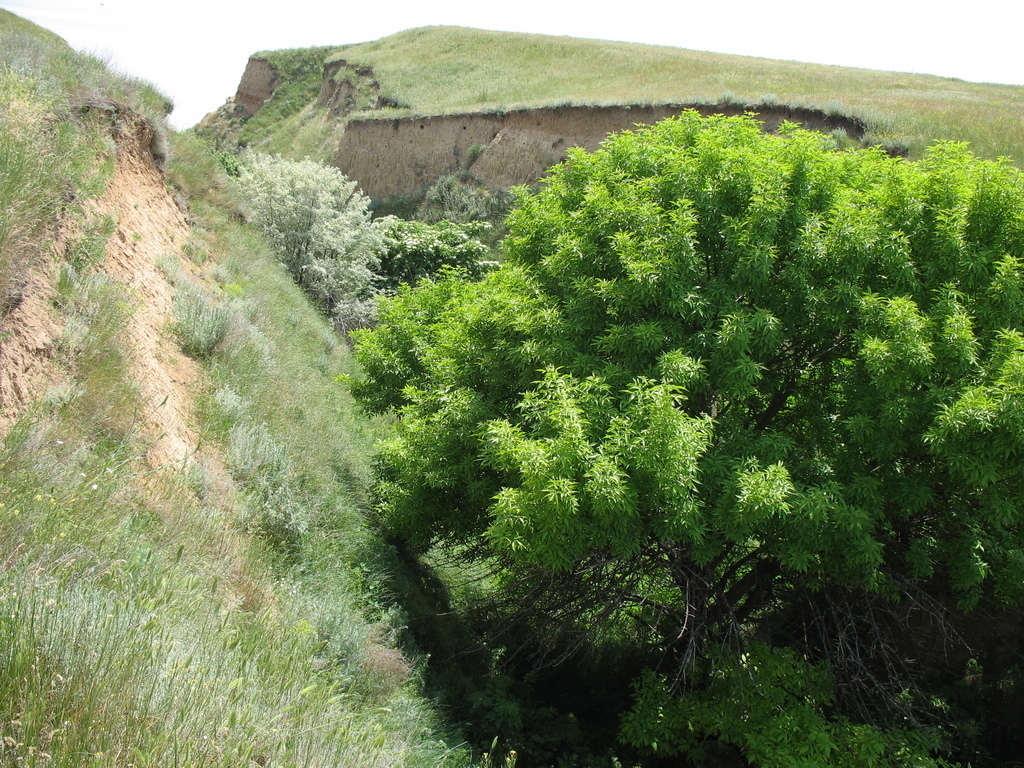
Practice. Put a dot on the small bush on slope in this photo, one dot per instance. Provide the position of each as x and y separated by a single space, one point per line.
413 250
319 225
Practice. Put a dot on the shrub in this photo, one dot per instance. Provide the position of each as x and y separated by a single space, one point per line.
201 323
450 199
751 401
276 511
414 250
319 225
253 453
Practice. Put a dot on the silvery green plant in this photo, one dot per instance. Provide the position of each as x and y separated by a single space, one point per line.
319 225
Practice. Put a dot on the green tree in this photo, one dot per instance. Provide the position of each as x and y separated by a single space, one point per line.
412 250
319 225
756 402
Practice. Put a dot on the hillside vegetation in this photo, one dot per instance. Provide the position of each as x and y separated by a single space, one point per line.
738 418
436 70
603 463
186 578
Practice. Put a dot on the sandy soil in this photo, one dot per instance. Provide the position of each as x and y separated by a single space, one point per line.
149 225
27 344
504 149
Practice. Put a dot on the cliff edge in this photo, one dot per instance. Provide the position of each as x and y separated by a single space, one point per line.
500 150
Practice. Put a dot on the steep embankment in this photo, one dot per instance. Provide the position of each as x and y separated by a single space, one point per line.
501 150
516 95
226 610
147 225
342 87
259 80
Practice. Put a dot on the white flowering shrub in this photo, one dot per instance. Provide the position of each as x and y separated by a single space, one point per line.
413 250
319 225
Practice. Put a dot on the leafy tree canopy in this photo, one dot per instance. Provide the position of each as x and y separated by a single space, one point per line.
758 397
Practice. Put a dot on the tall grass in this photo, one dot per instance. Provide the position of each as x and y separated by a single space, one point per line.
37 158
141 624
129 656
451 69
201 324
298 453
137 628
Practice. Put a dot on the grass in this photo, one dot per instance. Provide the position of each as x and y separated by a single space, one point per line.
298 452
201 324
229 612
140 626
436 70
451 69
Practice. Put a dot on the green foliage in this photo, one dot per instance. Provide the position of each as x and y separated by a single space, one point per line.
769 703
299 73
413 250
201 323
450 199
733 387
230 163
319 225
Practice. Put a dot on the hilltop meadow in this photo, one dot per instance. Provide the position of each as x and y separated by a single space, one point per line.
436 70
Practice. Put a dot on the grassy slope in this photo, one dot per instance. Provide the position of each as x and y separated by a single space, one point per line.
15 25
444 69
140 623
434 70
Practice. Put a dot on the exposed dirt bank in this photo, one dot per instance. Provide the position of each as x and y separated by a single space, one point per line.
28 338
505 149
148 225
256 86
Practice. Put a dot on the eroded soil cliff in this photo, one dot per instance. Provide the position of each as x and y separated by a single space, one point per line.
505 149
257 85
402 157
150 225
147 225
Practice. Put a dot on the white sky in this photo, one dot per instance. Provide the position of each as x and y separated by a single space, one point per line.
195 50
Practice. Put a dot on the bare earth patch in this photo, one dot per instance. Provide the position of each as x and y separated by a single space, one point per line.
150 225
28 336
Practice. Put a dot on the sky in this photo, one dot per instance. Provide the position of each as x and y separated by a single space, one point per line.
195 50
